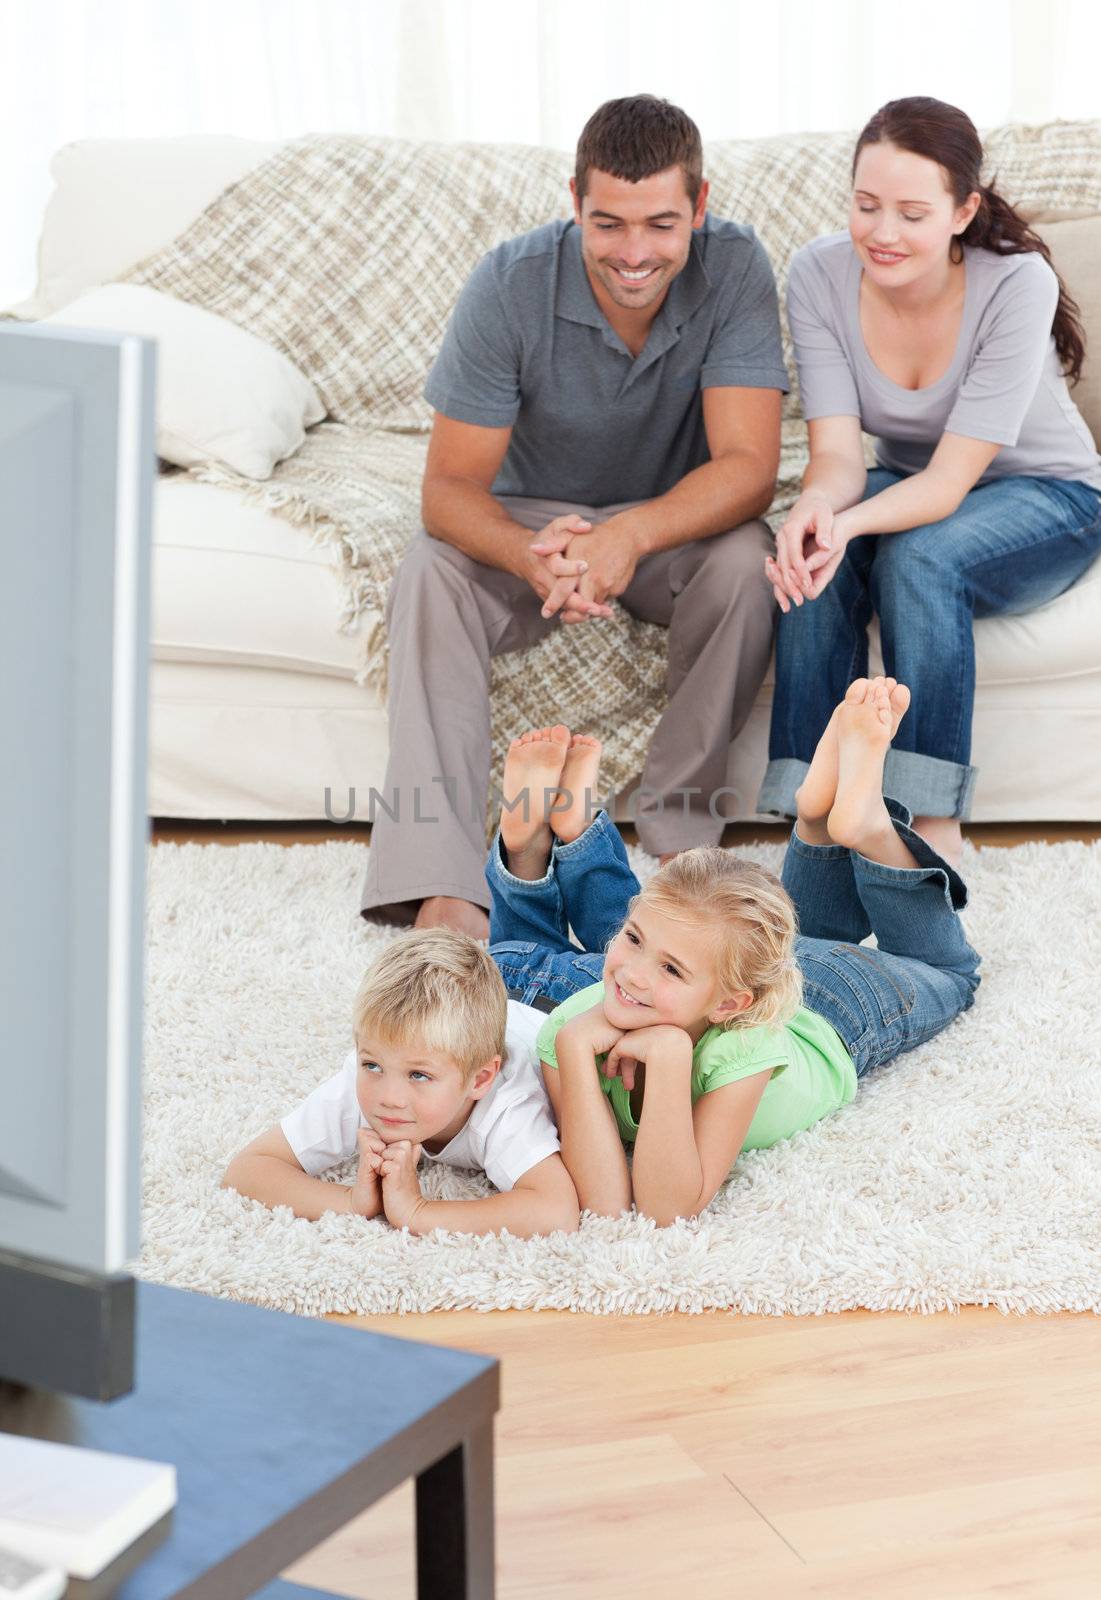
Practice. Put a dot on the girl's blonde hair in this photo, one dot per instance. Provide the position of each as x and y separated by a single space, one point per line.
754 922
438 990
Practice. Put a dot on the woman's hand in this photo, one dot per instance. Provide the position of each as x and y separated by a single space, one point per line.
806 532
824 563
640 1046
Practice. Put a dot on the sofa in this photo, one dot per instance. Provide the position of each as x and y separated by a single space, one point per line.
260 709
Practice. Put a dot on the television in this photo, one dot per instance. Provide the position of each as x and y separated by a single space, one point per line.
77 461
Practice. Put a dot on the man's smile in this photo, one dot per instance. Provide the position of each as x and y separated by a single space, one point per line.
634 275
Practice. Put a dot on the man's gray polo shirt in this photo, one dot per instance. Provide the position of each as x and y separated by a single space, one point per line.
528 347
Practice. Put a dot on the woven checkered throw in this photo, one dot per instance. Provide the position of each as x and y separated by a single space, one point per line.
347 254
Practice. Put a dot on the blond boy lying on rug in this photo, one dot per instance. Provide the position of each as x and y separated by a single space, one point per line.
699 1023
444 1067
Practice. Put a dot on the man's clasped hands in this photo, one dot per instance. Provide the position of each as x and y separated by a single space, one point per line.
576 568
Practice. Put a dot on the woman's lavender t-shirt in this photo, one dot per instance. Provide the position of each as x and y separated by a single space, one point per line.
1004 383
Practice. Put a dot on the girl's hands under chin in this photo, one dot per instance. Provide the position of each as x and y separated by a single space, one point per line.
641 1046
592 1030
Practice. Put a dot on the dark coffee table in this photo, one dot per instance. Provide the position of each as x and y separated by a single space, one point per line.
282 1429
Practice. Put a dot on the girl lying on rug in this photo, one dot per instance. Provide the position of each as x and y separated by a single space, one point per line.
688 1038
707 1026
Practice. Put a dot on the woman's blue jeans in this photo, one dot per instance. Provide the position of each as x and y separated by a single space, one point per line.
1012 545
882 1001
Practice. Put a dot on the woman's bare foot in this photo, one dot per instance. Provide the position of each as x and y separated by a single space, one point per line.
444 911
533 773
858 817
578 802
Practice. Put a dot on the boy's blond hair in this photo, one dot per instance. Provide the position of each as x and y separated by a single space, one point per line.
754 922
439 990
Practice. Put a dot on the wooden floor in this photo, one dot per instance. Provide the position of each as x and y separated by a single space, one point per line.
757 1458
714 1457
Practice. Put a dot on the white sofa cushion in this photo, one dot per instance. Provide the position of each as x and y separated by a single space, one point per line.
234 585
115 201
222 393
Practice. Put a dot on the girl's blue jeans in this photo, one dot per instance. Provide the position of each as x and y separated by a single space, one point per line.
882 1001
1010 546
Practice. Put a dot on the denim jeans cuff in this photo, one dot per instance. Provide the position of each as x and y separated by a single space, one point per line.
782 778
816 852
930 786
592 839
898 812
497 865
928 861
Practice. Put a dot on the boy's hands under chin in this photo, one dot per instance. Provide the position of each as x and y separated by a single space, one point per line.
641 1046
401 1190
366 1195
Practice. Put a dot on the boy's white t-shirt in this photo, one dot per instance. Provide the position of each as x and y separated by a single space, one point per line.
508 1132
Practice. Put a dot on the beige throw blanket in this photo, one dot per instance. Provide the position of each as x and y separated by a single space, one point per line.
347 254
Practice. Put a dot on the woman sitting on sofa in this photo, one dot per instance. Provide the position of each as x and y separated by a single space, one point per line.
938 325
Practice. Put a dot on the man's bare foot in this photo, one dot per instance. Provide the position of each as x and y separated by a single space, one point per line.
577 802
444 911
858 818
533 773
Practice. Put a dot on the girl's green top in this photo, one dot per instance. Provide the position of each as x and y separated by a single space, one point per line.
812 1071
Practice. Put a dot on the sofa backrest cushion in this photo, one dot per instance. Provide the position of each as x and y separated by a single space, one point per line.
1075 244
117 200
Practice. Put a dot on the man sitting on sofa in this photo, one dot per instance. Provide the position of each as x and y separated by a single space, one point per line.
612 385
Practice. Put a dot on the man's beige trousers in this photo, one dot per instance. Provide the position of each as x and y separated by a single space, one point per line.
448 615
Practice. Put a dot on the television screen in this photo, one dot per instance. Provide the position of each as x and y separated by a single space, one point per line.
77 461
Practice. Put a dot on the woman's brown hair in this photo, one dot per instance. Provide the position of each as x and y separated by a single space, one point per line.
946 135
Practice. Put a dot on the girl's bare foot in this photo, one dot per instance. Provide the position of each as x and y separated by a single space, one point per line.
533 773
945 835
858 817
816 794
578 802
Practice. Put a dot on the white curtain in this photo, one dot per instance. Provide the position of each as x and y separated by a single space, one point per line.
524 70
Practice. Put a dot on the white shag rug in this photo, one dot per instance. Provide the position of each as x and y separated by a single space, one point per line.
967 1172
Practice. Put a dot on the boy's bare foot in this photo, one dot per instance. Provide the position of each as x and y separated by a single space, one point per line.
533 773
858 818
577 803
445 911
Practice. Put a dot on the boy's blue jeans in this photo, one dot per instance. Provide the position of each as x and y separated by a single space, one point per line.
1010 546
881 1001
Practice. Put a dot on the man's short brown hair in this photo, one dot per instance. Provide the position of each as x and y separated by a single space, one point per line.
636 137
